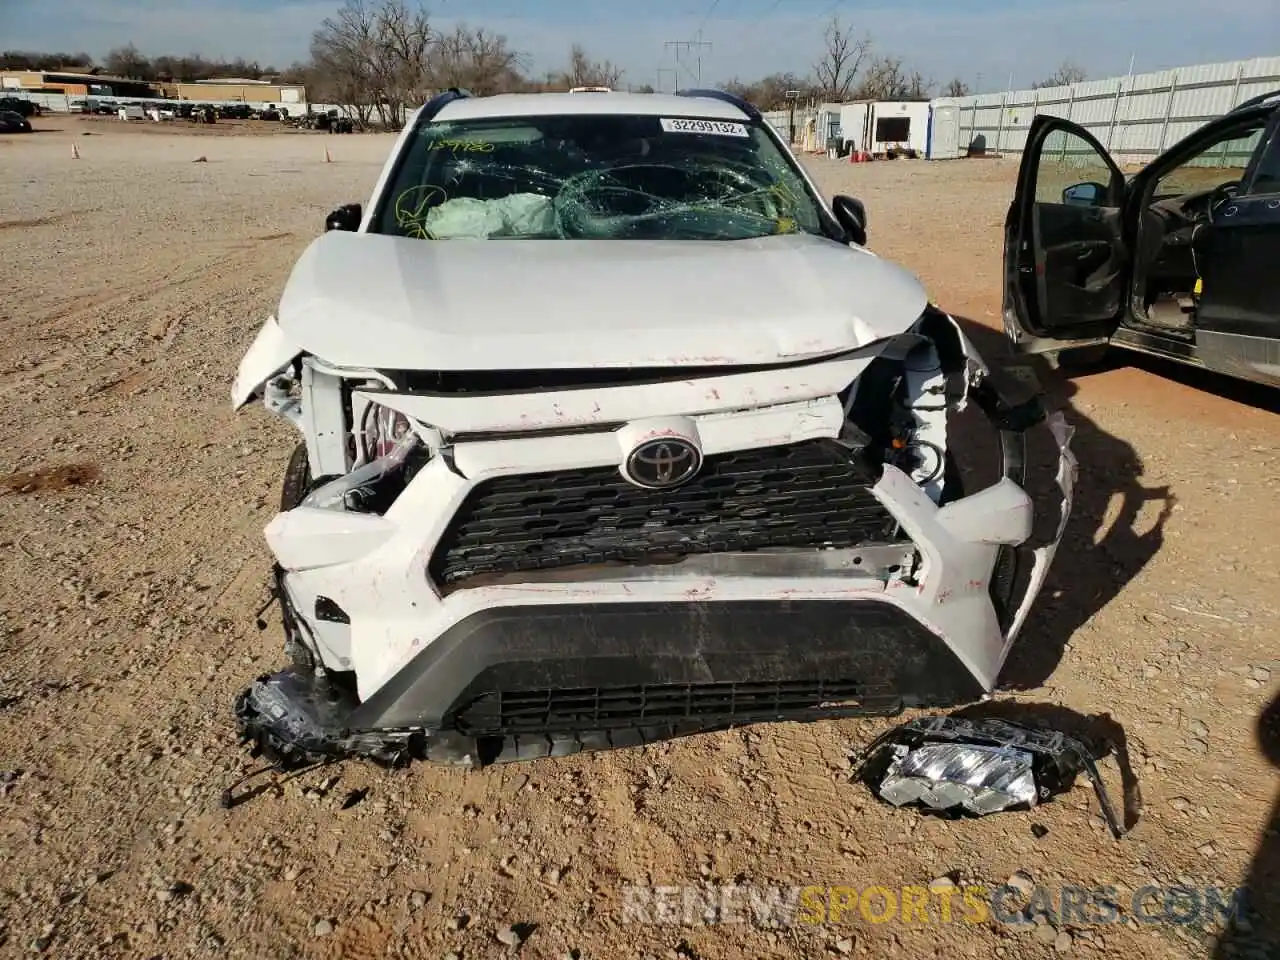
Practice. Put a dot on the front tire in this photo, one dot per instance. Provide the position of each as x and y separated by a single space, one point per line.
297 479
293 489
952 481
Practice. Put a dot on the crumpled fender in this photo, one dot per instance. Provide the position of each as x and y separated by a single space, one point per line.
270 354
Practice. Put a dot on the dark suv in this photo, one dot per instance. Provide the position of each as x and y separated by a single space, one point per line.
21 106
1179 260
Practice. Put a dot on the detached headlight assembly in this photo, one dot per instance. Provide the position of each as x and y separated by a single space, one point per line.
951 766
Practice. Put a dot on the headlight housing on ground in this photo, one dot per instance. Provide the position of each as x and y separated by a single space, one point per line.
952 765
944 775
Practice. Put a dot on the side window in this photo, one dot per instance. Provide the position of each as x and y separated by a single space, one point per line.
1072 171
1222 161
1266 179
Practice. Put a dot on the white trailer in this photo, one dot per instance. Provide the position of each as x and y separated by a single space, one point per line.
886 128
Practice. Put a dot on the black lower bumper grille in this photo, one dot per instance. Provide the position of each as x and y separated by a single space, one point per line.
811 494
551 668
614 708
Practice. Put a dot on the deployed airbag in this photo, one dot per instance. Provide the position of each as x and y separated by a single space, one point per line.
517 215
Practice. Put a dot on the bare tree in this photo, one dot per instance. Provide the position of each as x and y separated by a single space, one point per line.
33 60
842 58
916 87
1066 74
127 61
343 53
886 78
585 72
403 40
477 60
770 93
375 56
955 88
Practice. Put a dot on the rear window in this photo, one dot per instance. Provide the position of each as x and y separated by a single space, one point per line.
596 177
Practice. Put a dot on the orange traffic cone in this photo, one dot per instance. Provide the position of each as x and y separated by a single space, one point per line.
75 152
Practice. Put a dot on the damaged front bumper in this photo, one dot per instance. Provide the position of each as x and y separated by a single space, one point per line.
600 656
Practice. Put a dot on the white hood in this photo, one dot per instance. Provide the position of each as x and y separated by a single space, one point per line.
373 301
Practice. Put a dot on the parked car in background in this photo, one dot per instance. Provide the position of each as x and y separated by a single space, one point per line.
1178 260
11 122
20 105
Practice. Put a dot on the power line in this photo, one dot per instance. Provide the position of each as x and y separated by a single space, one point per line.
760 19
714 4
828 11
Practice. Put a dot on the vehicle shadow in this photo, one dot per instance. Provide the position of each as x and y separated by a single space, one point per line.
1101 734
1116 524
1205 381
1255 931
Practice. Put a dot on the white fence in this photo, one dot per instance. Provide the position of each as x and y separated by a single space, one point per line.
1134 117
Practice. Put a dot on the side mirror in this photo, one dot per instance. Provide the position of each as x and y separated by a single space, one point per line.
1084 195
852 216
346 217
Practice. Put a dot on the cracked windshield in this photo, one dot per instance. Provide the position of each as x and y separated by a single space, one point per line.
597 177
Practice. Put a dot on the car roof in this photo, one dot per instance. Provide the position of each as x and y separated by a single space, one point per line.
1264 101
609 104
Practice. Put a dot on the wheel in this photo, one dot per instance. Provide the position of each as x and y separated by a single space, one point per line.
297 481
297 478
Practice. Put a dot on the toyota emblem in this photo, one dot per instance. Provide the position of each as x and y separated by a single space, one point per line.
662 463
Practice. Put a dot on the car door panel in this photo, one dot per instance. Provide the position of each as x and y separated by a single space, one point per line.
1238 314
1066 262
1237 252
1079 259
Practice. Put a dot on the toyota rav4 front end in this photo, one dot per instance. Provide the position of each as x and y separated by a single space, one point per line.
612 432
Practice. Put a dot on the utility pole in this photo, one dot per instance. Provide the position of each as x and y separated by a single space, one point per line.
792 97
687 45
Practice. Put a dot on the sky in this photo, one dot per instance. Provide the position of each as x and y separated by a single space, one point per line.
983 42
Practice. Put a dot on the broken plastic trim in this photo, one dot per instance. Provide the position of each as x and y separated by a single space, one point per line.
295 718
951 766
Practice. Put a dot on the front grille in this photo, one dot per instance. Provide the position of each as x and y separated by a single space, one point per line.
811 494
617 708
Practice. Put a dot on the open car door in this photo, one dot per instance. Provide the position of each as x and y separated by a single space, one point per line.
1066 265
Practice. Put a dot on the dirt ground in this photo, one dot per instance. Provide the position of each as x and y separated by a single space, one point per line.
131 564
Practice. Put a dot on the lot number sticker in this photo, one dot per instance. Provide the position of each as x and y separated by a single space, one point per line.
719 128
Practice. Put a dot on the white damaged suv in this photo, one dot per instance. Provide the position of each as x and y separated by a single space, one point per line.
613 431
